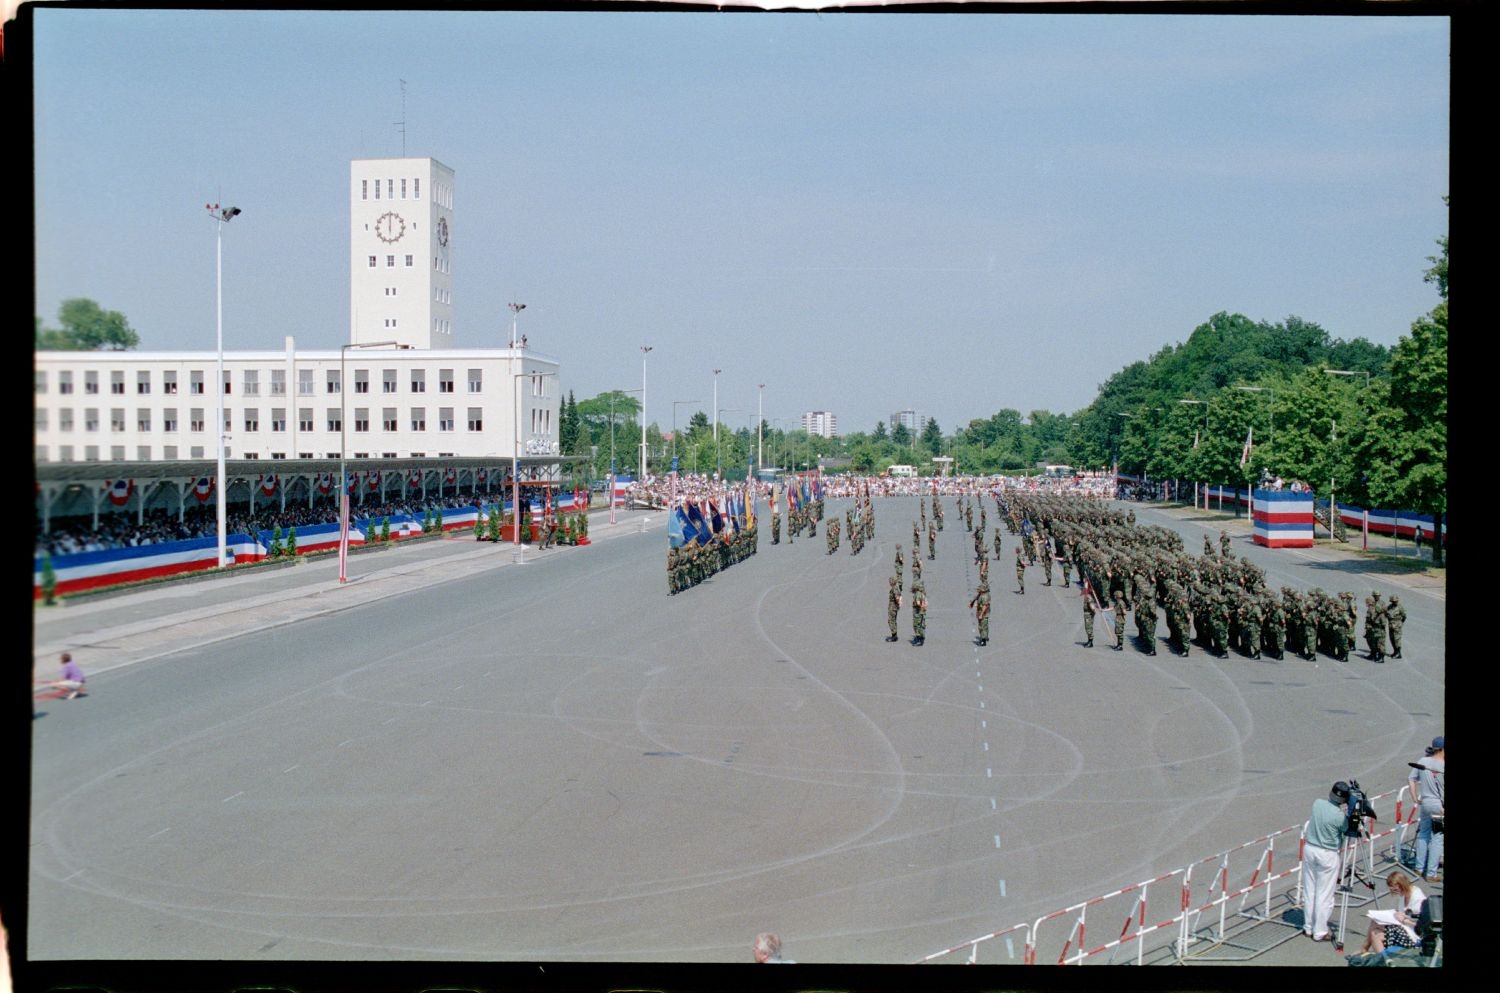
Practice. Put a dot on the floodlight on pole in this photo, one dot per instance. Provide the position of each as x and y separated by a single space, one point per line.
515 315
221 216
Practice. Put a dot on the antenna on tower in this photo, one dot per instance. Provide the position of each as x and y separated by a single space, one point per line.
401 124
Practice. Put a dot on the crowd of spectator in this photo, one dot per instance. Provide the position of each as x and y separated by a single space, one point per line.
124 529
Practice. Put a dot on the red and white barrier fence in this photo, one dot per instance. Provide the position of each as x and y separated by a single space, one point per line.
1240 883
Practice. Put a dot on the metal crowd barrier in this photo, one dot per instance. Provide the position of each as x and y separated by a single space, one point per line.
1239 890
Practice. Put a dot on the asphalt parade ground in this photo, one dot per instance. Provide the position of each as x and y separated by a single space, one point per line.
459 757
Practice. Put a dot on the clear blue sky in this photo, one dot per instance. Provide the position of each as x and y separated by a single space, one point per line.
954 213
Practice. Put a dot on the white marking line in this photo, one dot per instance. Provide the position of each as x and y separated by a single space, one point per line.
1010 949
984 724
997 841
78 873
426 702
485 676
347 741
158 834
992 804
989 773
986 746
981 704
457 688
981 689
228 798
391 720
1007 940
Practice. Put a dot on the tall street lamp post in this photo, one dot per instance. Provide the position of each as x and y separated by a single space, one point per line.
760 418
344 452
645 350
221 216
718 456
1204 405
716 422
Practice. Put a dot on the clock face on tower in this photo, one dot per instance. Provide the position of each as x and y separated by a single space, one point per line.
390 227
443 231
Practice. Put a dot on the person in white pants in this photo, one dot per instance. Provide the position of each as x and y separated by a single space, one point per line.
1320 861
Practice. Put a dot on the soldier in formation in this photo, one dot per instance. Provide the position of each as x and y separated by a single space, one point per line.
899 564
1046 555
1395 617
893 608
1020 570
1145 621
978 545
918 613
831 532
775 526
1119 621
1375 627
981 607
1089 610
997 543
932 530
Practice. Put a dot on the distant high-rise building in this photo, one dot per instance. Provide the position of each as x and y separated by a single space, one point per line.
909 418
821 423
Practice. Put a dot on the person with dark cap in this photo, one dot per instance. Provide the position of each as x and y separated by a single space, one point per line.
1320 861
1427 794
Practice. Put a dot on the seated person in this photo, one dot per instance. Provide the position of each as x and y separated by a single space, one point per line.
1409 900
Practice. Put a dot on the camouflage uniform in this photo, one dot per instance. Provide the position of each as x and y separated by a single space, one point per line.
1395 616
981 607
932 530
1088 616
893 608
831 532
1020 570
919 613
1119 621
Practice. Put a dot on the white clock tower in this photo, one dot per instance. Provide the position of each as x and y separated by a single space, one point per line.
401 252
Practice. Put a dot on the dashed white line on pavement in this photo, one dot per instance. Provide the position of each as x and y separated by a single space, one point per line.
287 770
158 834
228 798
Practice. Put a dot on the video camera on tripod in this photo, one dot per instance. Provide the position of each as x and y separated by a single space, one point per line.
1356 807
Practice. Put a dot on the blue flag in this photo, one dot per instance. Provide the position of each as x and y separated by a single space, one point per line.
701 530
677 528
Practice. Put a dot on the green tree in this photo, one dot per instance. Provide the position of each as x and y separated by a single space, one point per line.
932 437
291 542
900 435
1403 450
86 327
878 435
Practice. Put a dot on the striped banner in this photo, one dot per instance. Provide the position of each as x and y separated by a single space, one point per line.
1283 519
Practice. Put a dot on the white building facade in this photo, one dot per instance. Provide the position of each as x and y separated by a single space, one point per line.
821 423
381 402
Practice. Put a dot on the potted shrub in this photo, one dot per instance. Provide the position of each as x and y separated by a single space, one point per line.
479 529
291 542
49 580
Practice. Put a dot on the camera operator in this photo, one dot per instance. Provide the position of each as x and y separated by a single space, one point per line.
1320 861
1427 793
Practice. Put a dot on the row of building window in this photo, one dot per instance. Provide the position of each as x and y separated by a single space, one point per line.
143 453
390 261
365 186
251 419
250 380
